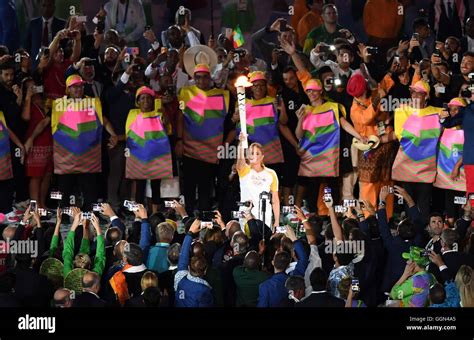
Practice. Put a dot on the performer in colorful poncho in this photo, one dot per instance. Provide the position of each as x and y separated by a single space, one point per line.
450 171
418 129
262 120
76 125
413 287
319 133
148 145
6 172
204 109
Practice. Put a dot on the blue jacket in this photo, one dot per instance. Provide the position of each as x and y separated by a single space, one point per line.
190 291
158 258
395 246
272 292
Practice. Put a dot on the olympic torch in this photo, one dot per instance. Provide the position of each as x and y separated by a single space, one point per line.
241 83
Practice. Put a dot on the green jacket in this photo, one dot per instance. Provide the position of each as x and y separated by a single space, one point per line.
247 283
68 253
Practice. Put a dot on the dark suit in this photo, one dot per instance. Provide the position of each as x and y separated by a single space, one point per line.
453 260
321 300
449 26
34 35
88 300
32 289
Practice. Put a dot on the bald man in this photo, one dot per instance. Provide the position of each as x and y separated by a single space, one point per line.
63 298
90 289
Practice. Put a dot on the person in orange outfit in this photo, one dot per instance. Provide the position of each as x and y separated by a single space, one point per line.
374 166
310 20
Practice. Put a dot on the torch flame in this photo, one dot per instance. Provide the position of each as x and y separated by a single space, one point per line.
242 81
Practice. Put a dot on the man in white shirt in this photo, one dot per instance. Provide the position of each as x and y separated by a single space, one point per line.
127 17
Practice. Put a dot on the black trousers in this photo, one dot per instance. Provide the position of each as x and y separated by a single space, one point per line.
200 175
86 183
421 194
312 185
118 187
141 188
6 196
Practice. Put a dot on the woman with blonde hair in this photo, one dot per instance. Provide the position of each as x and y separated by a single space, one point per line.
150 296
256 179
465 283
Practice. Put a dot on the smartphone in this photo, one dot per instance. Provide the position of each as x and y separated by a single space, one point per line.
38 89
327 194
237 214
415 36
133 51
169 204
97 207
289 209
244 204
33 205
56 195
67 211
349 203
81 19
147 28
340 209
283 26
90 62
391 190
281 229
46 51
372 50
206 224
355 285
130 205
86 215
181 19
42 212
460 200
327 48
207 216
362 205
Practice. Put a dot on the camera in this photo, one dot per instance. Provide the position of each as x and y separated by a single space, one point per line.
137 68
147 28
42 212
130 205
97 207
349 203
33 205
355 286
415 36
244 204
169 204
86 215
133 51
437 52
372 50
67 211
425 252
288 209
207 216
281 229
237 214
